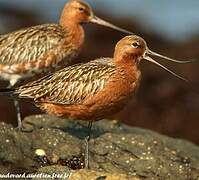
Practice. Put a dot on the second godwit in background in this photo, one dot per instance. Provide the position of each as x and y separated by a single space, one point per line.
44 48
94 90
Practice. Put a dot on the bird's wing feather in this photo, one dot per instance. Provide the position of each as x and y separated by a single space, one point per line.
30 44
71 85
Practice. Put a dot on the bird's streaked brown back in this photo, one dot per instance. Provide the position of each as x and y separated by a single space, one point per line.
30 44
71 85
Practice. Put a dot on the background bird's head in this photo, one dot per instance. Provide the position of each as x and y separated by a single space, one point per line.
79 12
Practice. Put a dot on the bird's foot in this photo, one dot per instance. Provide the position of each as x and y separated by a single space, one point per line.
20 128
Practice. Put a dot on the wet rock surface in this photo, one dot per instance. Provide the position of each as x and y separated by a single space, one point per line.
116 151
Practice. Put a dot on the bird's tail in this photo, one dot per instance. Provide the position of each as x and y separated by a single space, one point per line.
7 92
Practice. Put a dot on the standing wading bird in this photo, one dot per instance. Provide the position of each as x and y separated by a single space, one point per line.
44 48
94 90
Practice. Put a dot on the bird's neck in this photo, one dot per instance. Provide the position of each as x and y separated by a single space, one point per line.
126 60
67 21
75 31
129 66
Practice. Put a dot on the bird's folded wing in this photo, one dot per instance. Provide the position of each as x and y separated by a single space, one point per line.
71 85
30 44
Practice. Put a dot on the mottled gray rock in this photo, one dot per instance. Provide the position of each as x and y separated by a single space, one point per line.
114 148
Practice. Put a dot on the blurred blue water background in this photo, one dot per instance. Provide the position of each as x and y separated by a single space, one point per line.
176 20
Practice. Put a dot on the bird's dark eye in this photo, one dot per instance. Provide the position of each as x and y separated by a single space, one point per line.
135 45
81 9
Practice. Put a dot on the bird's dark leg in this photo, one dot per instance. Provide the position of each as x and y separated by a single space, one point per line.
19 120
87 138
17 107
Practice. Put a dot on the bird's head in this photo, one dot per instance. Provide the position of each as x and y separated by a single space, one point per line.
130 48
134 48
79 12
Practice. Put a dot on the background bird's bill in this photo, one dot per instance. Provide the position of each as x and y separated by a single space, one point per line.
97 20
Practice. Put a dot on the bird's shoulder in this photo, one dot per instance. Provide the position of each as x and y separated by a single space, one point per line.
30 43
54 30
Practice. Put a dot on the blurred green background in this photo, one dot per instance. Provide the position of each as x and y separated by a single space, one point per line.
163 103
